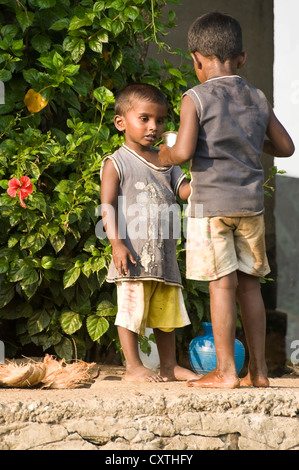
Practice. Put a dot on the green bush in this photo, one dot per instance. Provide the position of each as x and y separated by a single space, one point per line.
61 63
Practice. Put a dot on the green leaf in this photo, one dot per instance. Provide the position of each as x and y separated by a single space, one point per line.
37 201
57 241
6 295
24 18
103 95
57 61
19 271
106 23
9 31
97 263
70 322
30 289
20 311
64 349
106 309
117 27
77 23
31 278
71 70
13 240
38 322
47 262
98 6
5 75
43 4
63 23
96 326
17 45
76 46
116 58
47 62
4 265
82 83
33 241
96 43
71 276
132 12
175 72
66 186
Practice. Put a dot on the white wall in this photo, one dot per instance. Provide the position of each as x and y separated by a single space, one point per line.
286 76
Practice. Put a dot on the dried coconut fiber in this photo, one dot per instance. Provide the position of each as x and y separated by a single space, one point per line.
47 374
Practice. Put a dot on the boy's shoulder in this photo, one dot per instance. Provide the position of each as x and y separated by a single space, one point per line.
226 81
234 85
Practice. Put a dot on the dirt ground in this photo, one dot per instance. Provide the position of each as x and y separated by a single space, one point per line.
110 381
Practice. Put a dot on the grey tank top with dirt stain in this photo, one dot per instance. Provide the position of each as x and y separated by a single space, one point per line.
149 218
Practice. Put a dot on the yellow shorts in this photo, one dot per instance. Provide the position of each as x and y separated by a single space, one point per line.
151 304
217 246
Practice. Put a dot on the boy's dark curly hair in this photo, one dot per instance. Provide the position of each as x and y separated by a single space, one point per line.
216 35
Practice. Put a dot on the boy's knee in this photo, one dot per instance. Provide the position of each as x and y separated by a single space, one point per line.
247 282
229 282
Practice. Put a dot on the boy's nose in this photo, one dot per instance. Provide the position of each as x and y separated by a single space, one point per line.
152 124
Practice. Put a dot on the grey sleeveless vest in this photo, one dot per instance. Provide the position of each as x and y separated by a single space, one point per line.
149 219
226 170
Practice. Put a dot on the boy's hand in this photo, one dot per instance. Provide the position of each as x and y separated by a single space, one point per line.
121 255
164 155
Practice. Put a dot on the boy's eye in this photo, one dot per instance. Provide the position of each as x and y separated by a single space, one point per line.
144 118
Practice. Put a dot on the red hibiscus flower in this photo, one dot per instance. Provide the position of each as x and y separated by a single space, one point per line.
22 187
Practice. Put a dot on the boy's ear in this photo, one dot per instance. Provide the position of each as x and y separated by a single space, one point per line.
196 60
119 123
241 60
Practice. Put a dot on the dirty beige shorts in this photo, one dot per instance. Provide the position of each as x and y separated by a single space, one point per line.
218 246
151 304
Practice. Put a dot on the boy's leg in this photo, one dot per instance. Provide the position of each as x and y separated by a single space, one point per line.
169 368
254 321
135 370
224 316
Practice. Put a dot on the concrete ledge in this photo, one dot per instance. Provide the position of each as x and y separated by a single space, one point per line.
115 415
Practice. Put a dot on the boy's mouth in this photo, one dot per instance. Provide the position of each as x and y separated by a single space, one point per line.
151 137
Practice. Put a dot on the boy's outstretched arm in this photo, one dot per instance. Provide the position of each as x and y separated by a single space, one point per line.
109 203
185 145
280 143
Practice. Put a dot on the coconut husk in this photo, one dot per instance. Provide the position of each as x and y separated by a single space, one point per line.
21 376
48 374
59 374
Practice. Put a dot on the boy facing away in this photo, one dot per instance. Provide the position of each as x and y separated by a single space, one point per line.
139 207
223 124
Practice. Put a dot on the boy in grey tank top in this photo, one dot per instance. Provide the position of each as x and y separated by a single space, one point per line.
141 220
224 122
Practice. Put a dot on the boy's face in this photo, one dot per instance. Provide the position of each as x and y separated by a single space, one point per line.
143 123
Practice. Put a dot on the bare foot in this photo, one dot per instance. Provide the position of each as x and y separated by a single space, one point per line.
215 380
142 374
178 373
254 381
